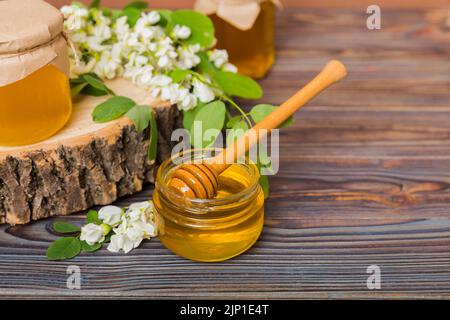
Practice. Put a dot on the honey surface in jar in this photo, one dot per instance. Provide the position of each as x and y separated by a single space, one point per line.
34 108
252 51
214 234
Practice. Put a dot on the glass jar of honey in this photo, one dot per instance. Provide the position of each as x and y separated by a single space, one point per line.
35 99
245 28
215 229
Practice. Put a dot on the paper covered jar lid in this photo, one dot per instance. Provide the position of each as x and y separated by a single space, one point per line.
31 37
240 13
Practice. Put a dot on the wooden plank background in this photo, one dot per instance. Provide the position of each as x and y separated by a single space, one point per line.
364 179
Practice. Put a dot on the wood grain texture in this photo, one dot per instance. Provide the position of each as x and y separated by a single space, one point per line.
364 179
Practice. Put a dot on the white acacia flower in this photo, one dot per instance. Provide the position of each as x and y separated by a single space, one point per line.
121 27
80 67
143 76
203 92
110 64
110 215
230 67
92 233
136 225
146 20
181 32
187 102
218 57
75 17
187 57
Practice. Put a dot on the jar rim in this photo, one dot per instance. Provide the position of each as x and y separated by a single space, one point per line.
239 196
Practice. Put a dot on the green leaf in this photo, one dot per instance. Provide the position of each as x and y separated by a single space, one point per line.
233 121
234 84
165 17
142 5
76 89
65 227
189 116
64 248
211 116
153 144
132 14
141 116
202 28
92 217
112 109
260 111
179 75
237 131
86 247
95 4
205 64
264 183
96 84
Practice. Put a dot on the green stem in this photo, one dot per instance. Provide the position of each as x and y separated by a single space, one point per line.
234 104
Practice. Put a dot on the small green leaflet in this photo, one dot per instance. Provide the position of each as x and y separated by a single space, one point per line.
141 116
112 109
179 75
189 116
260 111
153 144
234 84
133 14
92 217
165 17
211 116
86 247
237 131
76 89
142 5
95 4
96 83
64 248
205 64
233 121
65 227
264 183
202 28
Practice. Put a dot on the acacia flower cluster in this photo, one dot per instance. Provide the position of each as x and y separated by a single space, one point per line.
129 227
146 53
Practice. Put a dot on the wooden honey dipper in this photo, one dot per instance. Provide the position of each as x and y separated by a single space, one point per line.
200 180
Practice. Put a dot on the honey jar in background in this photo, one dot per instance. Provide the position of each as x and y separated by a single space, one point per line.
245 28
215 229
35 99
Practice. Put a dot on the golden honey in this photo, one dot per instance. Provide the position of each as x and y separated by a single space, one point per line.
216 229
34 108
253 50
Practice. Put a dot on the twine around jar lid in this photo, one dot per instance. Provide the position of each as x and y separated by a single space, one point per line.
240 13
31 37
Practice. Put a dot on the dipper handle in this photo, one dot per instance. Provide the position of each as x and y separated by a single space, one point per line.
330 74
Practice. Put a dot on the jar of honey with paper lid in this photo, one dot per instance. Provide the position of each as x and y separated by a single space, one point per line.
245 28
35 99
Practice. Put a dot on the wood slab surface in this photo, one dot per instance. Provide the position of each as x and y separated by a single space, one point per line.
364 180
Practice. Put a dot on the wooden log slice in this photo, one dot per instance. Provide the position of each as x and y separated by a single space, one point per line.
85 164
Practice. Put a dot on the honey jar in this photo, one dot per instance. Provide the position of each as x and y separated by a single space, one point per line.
215 229
35 99
245 28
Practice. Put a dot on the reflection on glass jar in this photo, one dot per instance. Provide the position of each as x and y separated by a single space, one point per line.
212 229
34 108
253 50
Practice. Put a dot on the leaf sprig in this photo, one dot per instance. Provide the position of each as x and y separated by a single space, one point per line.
70 245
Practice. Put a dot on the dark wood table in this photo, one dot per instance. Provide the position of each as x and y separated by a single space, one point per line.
364 180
